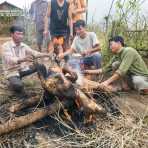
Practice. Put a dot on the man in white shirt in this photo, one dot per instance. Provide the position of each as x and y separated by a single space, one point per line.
86 44
15 56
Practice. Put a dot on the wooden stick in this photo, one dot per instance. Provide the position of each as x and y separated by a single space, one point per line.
89 104
23 104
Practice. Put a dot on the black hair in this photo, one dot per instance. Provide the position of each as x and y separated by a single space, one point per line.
79 23
15 28
118 39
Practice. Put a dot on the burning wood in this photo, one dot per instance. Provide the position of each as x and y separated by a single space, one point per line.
59 86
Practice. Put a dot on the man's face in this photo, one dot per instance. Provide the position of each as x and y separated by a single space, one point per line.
17 36
80 31
115 46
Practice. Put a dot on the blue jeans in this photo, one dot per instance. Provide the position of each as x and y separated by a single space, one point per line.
94 60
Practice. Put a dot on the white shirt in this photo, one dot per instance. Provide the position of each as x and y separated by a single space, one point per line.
81 44
11 54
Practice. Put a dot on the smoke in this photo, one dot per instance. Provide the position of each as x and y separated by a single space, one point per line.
75 64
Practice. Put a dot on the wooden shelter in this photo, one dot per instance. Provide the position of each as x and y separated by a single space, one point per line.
9 14
10 10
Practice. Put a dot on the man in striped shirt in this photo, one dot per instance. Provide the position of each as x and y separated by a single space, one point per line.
15 58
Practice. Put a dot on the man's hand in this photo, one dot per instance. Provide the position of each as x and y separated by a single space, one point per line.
61 56
26 59
57 69
105 83
108 83
74 12
85 52
107 86
97 71
45 33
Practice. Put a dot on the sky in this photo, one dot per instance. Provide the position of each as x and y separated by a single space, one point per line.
97 9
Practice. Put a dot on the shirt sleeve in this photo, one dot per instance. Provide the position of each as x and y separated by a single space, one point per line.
30 51
95 40
74 44
7 56
126 63
108 67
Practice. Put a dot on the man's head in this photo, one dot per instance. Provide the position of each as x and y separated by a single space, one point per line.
17 34
79 27
116 43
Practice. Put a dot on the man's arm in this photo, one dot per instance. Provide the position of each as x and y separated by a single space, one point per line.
112 79
71 50
31 52
83 7
90 51
105 69
7 55
46 18
68 52
95 71
70 19
9 59
126 62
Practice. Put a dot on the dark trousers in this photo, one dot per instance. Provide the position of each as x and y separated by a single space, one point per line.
15 82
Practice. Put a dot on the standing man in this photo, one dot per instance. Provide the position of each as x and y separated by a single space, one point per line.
15 58
86 44
78 9
59 13
37 11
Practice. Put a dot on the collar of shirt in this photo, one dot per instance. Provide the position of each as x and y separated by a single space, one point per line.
120 51
86 35
14 45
